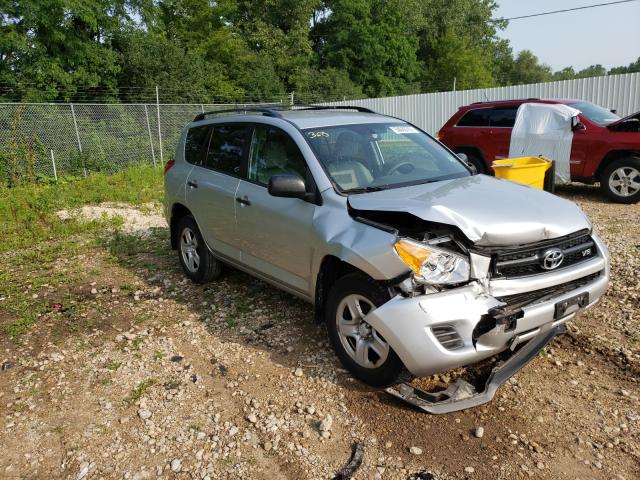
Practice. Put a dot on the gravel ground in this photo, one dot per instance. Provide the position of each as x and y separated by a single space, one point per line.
133 372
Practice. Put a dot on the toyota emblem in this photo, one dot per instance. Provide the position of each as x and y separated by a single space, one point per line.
552 258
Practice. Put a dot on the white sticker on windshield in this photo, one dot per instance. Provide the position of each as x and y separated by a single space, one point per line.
402 130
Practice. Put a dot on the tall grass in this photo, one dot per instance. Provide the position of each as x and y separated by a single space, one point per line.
28 212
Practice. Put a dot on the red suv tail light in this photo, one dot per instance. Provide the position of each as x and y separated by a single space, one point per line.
168 165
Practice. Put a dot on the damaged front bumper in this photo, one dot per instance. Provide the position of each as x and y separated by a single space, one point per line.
462 395
459 327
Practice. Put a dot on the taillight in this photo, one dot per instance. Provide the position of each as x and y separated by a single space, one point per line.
168 165
440 136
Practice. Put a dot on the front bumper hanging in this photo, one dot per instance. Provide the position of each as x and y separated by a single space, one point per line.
461 394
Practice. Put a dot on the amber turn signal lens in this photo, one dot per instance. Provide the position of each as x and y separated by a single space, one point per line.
412 253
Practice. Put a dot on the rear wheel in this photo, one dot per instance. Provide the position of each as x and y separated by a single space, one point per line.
360 348
196 259
620 180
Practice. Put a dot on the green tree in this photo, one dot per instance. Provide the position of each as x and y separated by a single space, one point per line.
631 68
528 69
61 49
458 39
372 40
592 71
182 75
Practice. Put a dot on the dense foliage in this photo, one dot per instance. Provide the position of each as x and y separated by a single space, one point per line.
246 50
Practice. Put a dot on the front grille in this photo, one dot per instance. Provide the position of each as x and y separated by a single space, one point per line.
529 259
521 299
448 337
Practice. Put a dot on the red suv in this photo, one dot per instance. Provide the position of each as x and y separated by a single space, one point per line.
605 149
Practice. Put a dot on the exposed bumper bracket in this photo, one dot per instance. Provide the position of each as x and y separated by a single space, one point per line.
462 395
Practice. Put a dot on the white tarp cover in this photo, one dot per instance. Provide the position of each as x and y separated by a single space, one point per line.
544 129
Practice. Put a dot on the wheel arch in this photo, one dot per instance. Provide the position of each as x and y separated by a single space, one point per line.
178 211
333 268
611 157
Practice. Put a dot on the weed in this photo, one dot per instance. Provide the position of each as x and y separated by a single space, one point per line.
135 344
195 427
158 355
113 365
137 392
231 322
19 326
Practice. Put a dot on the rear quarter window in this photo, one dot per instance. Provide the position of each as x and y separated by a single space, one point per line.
195 144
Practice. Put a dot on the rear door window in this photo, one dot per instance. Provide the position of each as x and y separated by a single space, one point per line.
195 145
227 148
475 118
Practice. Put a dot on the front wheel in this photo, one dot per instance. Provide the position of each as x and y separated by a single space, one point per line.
361 349
620 180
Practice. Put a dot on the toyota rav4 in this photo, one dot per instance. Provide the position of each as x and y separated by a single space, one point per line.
415 264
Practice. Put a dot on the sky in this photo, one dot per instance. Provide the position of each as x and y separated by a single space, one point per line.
608 35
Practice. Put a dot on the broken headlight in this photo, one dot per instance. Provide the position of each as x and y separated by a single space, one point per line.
432 265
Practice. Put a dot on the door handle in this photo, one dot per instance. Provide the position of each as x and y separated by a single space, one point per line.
192 183
243 201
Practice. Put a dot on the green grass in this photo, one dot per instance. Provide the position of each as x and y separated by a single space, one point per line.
27 213
113 365
35 243
19 326
137 392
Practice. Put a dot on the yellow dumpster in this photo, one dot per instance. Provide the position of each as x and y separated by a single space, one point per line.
526 170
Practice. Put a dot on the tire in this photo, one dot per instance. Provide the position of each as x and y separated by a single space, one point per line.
197 262
375 365
620 180
477 164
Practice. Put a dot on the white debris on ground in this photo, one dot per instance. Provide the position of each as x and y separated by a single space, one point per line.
137 221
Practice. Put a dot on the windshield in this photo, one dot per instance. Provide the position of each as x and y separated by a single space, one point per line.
595 113
368 157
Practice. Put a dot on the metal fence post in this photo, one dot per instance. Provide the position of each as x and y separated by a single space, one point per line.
153 153
53 162
159 130
75 125
292 98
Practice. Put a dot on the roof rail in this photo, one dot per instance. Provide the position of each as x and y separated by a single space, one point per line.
505 101
338 107
269 112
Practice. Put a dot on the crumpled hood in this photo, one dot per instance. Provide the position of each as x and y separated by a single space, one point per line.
489 211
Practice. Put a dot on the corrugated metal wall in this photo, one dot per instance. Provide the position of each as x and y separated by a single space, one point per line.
430 111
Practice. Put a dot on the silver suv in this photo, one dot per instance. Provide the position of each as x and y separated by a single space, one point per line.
413 263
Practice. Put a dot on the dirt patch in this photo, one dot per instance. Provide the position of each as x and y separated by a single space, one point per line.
166 379
139 221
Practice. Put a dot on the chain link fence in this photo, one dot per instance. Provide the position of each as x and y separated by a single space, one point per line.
45 142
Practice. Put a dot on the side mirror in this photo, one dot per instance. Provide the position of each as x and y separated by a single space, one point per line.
465 159
613 110
287 186
577 125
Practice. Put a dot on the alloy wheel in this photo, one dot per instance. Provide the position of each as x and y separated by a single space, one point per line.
189 250
625 181
359 339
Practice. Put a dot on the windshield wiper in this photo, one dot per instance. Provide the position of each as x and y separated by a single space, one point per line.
367 189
